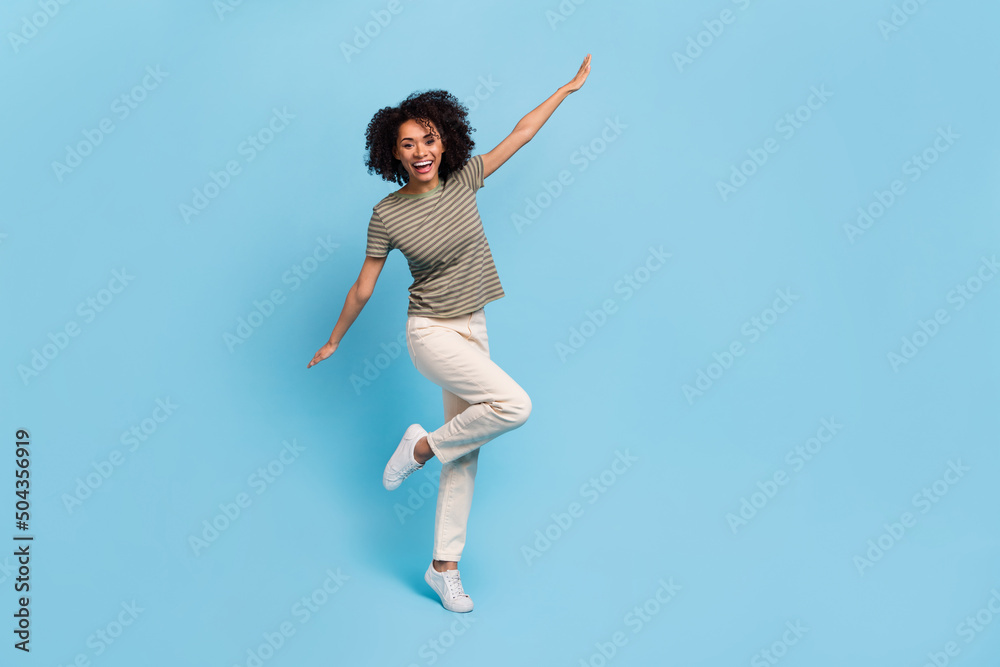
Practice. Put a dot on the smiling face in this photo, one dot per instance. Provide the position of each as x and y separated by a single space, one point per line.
417 145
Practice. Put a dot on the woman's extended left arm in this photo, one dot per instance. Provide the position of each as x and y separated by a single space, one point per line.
530 124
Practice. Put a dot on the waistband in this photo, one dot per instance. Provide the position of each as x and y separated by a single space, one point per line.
465 317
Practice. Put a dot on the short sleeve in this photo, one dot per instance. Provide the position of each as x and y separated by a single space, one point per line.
379 244
471 174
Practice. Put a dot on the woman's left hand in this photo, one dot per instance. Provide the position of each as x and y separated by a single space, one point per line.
580 77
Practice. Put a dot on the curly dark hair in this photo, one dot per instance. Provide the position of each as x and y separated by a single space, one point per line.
439 106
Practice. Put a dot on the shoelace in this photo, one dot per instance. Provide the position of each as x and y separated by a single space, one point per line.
454 582
407 469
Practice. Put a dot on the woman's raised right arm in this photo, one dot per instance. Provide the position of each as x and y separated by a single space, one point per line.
356 299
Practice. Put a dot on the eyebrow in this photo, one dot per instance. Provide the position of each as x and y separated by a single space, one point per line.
411 139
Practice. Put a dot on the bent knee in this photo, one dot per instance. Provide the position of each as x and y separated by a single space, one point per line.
513 410
519 409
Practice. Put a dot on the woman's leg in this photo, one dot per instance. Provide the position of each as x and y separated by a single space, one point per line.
480 402
454 354
454 501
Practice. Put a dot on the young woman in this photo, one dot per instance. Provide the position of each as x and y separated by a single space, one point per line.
425 144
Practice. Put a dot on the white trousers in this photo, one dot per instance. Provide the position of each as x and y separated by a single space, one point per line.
480 402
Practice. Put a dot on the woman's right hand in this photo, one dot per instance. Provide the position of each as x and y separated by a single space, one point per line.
322 353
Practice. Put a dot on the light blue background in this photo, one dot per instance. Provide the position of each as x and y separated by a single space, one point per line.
665 517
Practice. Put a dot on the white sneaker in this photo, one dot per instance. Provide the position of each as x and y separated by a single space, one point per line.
448 586
402 463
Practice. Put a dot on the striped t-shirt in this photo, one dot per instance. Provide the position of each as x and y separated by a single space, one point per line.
442 237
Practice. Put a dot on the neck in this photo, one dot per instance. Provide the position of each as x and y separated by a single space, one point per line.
419 187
